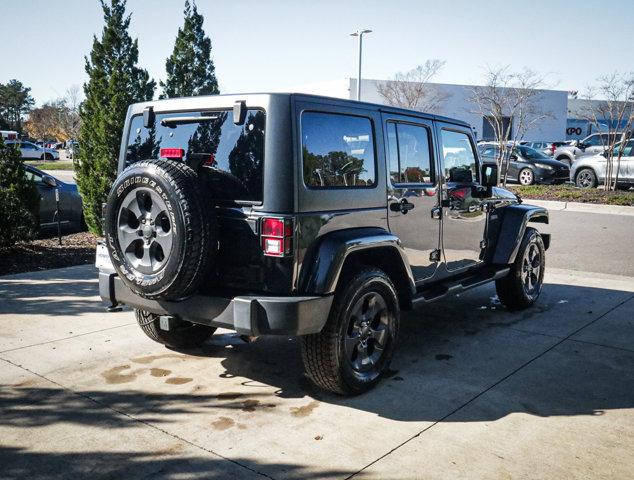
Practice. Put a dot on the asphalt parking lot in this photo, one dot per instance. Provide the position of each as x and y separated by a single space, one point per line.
474 392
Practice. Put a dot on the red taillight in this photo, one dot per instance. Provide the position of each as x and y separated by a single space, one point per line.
172 153
277 236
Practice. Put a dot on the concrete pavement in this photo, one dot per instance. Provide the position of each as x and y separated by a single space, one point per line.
475 392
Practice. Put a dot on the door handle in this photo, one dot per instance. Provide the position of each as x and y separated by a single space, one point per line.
436 213
403 206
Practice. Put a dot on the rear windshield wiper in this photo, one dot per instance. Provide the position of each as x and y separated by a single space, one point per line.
172 122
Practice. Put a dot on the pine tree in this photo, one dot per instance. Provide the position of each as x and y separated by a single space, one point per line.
19 198
190 69
114 82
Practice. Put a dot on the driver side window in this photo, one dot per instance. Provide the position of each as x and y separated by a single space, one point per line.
460 165
32 176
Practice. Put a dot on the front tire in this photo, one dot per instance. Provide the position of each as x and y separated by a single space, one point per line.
523 285
586 178
182 334
355 347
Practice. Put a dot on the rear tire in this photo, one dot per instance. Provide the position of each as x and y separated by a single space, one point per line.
182 335
526 177
523 285
355 347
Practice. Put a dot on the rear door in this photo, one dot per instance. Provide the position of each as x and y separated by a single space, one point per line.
412 187
463 215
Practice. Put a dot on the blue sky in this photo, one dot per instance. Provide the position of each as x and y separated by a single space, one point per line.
265 45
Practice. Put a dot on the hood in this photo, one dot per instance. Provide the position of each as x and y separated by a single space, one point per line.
550 162
499 193
588 160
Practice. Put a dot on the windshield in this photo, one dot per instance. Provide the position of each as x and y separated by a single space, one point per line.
531 153
232 155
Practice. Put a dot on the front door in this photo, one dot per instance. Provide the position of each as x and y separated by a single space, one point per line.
413 201
464 215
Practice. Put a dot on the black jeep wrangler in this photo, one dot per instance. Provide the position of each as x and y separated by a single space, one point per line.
292 214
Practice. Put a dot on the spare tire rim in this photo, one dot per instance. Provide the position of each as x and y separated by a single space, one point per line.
368 332
144 230
531 269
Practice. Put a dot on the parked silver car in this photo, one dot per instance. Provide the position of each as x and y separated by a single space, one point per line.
31 151
588 171
591 145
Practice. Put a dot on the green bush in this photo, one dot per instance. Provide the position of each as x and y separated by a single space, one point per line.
19 199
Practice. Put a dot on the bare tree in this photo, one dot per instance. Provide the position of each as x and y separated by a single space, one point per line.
612 113
508 102
72 101
412 90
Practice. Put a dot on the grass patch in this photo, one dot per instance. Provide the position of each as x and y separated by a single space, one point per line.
569 193
52 165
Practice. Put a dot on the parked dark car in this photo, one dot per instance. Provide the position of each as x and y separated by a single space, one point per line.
70 203
527 166
292 214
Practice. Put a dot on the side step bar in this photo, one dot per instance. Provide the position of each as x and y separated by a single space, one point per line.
457 285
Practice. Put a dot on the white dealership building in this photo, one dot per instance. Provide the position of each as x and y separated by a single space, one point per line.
457 104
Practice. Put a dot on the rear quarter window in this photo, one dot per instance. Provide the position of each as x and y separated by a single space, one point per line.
337 151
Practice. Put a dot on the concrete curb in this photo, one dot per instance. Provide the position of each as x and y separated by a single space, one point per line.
582 207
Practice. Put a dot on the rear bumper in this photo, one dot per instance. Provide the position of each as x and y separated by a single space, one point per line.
246 314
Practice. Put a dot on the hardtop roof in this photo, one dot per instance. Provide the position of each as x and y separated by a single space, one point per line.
317 98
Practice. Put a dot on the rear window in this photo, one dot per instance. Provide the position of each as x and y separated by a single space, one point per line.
337 150
232 155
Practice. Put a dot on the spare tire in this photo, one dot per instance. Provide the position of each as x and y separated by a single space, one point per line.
158 232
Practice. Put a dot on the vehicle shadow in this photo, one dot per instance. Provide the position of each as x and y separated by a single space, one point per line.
452 351
166 463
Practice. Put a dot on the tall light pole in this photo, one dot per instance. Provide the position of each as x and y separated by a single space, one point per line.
359 33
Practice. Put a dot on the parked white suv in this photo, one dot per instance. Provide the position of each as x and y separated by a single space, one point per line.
589 171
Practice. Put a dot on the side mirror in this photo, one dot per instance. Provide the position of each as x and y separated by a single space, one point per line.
490 175
574 143
513 157
49 181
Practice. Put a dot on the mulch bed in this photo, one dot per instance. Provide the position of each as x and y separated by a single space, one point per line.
45 253
568 193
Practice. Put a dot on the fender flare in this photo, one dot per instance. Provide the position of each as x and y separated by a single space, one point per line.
511 232
322 266
569 156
